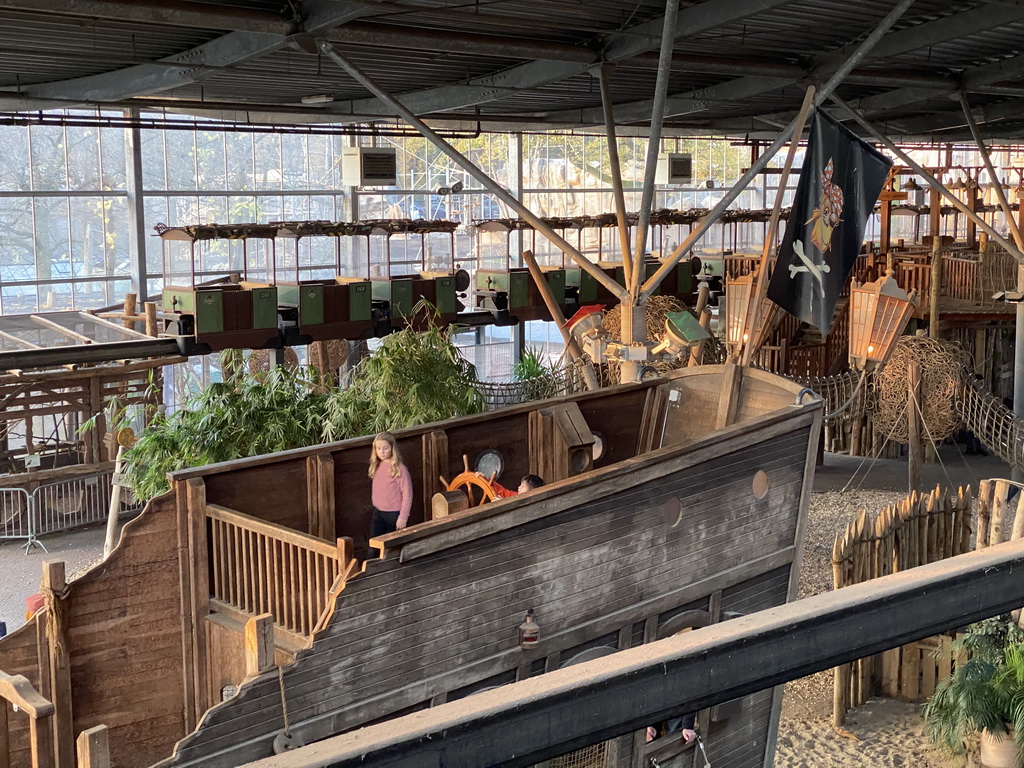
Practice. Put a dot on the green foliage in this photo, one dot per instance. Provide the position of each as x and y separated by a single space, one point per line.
984 693
412 378
247 416
531 365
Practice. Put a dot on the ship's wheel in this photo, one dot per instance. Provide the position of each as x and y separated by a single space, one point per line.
478 489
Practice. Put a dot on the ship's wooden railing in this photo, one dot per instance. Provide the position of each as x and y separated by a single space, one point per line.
960 278
772 358
807 359
915 276
738 266
17 690
259 567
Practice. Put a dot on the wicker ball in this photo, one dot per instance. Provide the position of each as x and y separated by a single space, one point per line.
941 364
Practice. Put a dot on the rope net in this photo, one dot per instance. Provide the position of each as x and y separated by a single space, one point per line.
995 425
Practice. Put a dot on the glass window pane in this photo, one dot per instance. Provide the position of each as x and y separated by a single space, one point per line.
268 161
87 243
53 248
294 162
181 159
14 171
83 158
113 158
210 156
153 171
238 147
49 170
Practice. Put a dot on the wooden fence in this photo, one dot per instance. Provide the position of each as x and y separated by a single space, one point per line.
259 567
920 529
960 278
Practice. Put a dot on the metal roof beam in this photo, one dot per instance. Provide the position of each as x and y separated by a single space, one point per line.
394 36
175 13
994 113
930 33
642 38
973 80
227 50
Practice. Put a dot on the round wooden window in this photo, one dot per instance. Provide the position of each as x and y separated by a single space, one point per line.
760 484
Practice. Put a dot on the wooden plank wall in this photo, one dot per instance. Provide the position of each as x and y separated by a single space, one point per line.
651 538
124 639
278 496
20 652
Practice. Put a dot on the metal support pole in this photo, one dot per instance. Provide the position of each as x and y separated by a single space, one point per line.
986 156
826 90
668 37
761 287
136 210
613 160
485 181
934 182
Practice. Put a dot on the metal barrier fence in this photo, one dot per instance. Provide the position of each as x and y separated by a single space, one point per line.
59 506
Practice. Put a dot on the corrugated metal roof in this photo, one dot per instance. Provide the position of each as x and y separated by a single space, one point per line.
740 65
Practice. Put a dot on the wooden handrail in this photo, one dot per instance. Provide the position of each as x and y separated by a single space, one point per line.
258 567
273 530
19 691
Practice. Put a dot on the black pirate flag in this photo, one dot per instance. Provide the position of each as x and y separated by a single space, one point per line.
839 183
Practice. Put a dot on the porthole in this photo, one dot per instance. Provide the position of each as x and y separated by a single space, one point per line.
672 512
760 484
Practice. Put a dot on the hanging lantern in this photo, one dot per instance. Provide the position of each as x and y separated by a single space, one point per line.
878 314
529 631
737 303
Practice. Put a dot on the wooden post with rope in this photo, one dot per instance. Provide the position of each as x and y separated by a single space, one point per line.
54 590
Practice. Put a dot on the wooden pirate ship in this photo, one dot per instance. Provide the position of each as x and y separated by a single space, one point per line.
235 616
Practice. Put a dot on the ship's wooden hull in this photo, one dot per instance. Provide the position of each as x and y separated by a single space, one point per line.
695 515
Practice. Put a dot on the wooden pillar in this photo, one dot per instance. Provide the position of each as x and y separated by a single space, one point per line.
915 454
152 328
936 286
54 584
320 495
972 201
93 748
259 645
130 308
195 501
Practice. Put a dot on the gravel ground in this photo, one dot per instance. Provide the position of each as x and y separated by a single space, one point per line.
79 549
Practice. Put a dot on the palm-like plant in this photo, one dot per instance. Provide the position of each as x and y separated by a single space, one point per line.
984 693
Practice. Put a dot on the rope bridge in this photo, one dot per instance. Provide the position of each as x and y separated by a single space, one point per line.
995 425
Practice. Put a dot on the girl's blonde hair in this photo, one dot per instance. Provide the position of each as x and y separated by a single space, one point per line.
396 458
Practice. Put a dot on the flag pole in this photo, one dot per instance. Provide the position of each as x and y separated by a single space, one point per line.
754 318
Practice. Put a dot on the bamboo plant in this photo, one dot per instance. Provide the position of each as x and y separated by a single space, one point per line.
413 377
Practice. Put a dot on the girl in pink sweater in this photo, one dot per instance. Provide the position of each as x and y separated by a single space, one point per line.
391 492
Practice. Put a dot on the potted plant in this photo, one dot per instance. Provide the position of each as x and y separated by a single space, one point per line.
985 694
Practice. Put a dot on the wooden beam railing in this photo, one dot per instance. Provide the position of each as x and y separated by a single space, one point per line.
17 690
738 266
960 278
260 567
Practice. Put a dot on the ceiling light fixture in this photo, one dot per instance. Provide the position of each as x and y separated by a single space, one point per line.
318 98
